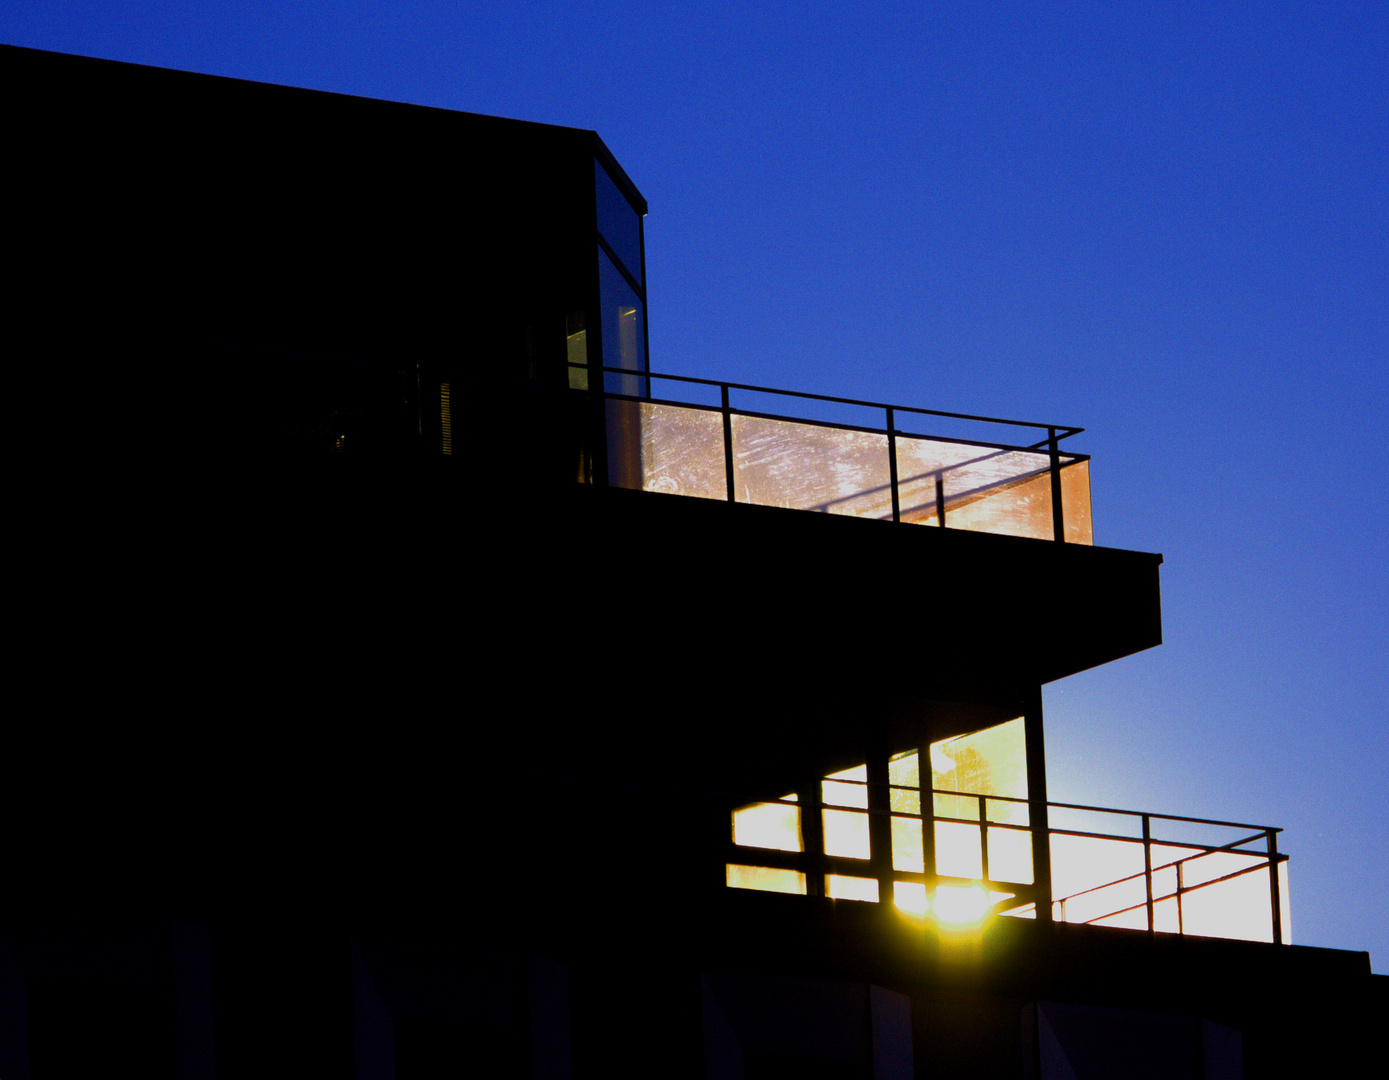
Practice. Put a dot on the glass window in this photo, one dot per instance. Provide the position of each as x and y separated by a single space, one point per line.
624 329
619 224
769 825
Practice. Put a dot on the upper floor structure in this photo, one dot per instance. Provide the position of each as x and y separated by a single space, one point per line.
451 676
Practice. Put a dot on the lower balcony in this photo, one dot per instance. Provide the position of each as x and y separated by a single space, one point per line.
983 849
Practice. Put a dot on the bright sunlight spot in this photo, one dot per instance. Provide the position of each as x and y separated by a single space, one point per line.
961 906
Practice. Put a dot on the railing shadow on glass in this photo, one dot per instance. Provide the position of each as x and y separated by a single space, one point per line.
1169 874
720 449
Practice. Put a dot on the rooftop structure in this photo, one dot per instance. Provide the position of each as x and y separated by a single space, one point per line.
418 681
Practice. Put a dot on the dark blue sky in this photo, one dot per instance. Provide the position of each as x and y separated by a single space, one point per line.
1167 223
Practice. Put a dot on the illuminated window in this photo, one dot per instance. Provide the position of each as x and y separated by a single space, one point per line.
972 852
975 848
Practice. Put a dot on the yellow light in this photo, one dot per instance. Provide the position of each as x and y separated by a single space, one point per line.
910 898
842 887
956 906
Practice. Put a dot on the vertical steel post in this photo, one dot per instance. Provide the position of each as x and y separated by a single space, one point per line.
1037 804
1148 866
940 500
1058 520
984 837
928 819
727 444
812 837
1181 884
879 816
892 465
1275 898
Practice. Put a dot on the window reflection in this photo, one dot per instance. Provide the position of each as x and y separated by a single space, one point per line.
624 329
618 223
991 762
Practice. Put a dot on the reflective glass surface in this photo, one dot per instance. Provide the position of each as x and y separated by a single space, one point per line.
682 451
764 879
768 825
837 470
992 761
624 329
618 222
806 467
842 887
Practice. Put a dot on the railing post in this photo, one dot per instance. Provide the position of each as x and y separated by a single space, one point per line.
1181 884
940 500
727 444
1147 861
1276 900
892 465
983 838
1058 519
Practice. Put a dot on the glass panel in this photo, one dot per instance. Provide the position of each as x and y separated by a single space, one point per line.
624 329
839 887
1285 906
1015 508
920 462
984 490
1010 856
1084 871
682 451
1128 907
907 849
619 223
576 347
910 896
958 853
768 825
1165 916
846 834
764 879
904 774
1238 908
1075 503
851 791
805 467
1164 880
1002 810
988 762
624 346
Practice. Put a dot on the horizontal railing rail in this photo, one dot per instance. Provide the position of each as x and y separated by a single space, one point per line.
1067 430
1265 858
973 478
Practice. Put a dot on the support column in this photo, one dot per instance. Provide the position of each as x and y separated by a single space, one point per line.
1037 802
879 819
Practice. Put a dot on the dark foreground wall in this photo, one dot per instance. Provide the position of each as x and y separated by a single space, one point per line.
328 754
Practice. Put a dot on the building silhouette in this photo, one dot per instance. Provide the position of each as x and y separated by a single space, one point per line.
413 680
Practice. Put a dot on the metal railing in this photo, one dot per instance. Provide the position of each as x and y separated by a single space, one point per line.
736 452
1211 865
1184 885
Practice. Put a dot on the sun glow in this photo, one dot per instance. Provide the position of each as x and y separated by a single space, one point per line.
960 906
970 825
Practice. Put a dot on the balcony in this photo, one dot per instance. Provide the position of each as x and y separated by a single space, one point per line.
747 444
973 854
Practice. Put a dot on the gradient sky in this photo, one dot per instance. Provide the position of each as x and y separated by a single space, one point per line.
1166 223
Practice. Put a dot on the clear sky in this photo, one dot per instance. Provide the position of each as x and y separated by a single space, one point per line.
1167 223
